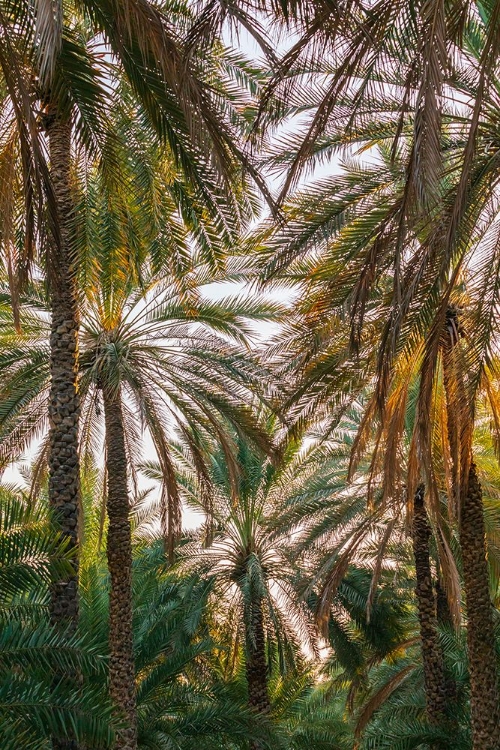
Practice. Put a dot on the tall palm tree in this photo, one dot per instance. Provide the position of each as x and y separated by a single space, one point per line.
394 438
58 91
195 111
154 359
450 423
379 250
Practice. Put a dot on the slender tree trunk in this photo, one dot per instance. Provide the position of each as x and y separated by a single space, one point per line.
480 627
432 655
119 550
256 662
64 404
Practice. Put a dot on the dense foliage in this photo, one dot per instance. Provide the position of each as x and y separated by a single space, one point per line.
249 375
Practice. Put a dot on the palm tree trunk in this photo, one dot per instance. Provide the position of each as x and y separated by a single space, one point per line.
432 655
119 551
64 402
480 628
256 663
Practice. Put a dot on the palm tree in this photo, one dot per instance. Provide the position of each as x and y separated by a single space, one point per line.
154 359
372 456
247 560
286 514
57 90
372 255
81 129
436 462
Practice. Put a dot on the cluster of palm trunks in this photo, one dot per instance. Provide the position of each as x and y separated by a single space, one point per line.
396 304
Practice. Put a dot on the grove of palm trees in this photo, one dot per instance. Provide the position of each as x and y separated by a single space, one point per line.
250 375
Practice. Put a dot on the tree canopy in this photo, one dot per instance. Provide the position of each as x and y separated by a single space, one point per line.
249 375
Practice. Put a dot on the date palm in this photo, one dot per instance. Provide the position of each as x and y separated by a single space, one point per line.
258 559
400 478
367 254
181 698
442 432
246 558
152 358
68 92
57 92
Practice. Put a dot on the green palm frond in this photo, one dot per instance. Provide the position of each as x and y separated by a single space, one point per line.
35 705
31 553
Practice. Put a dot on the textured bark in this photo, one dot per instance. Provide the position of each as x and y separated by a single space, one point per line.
432 655
64 405
256 662
119 551
480 628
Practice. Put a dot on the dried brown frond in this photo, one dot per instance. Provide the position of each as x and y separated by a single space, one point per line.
379 698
